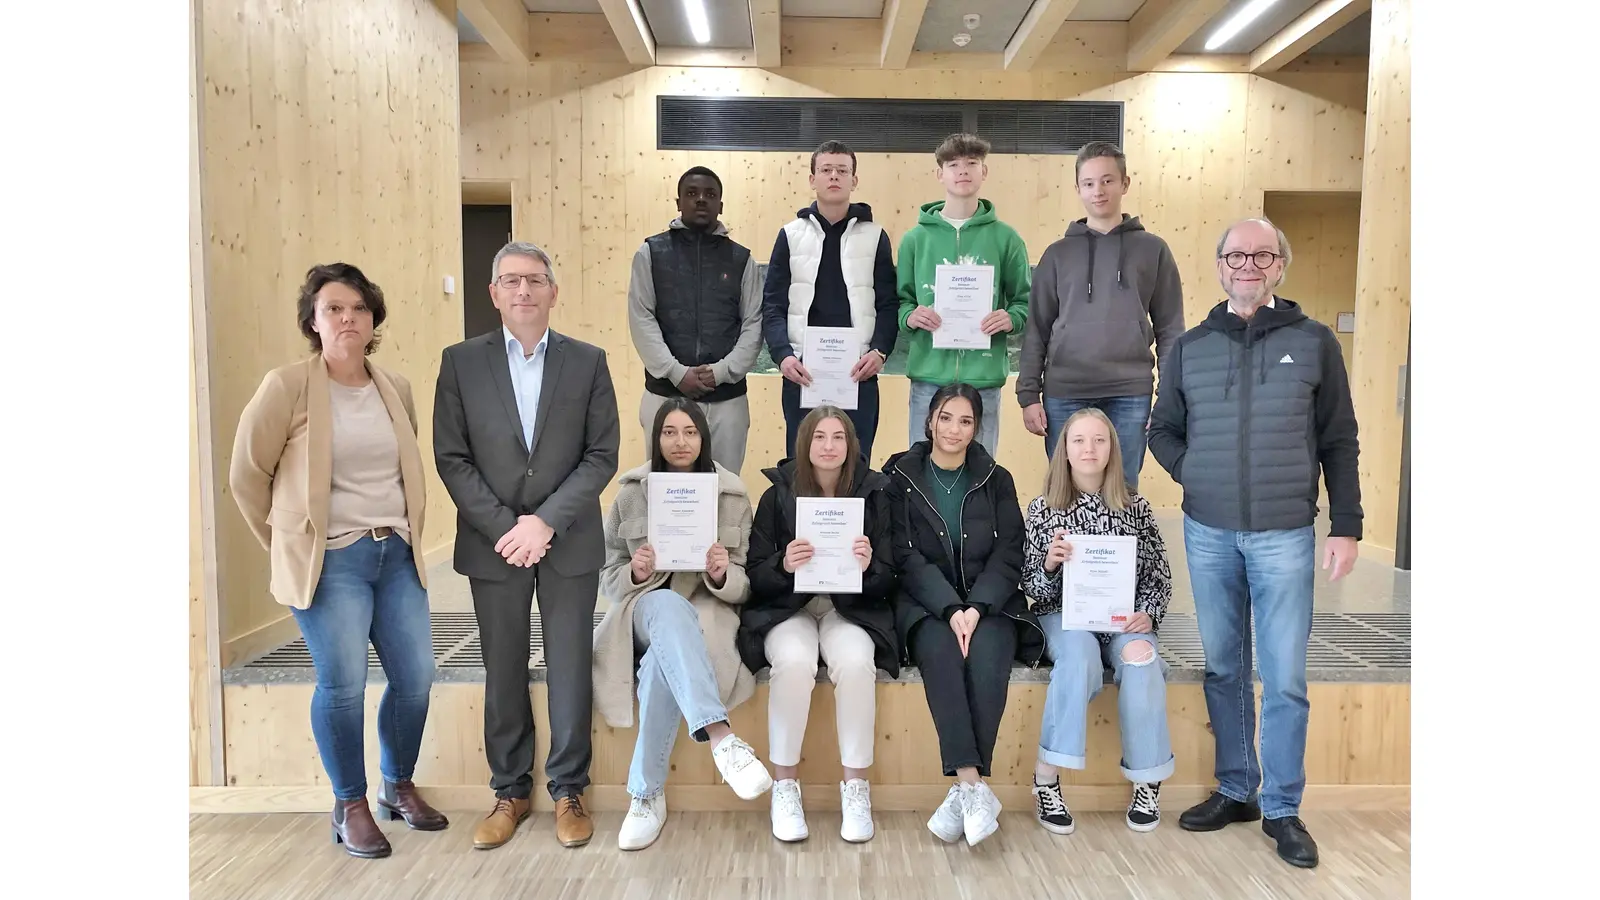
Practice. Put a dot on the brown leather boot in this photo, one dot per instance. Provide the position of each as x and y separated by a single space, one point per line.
501 822
353 826
400 800
574 828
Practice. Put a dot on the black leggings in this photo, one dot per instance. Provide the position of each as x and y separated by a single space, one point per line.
967 697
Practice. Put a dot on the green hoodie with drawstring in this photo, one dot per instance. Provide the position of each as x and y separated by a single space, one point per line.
982 240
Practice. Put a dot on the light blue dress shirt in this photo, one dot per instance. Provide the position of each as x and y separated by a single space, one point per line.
527 379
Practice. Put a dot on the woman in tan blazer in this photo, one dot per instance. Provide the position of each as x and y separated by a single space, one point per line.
327 473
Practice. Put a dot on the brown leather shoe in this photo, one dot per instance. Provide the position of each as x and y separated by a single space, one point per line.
574 828
353 827
501 822
400 800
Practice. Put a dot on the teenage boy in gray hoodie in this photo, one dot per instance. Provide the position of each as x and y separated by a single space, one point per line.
1101 295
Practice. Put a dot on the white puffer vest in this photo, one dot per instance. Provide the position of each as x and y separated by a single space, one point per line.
858 252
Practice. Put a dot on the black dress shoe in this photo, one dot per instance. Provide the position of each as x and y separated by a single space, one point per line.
1216 812
1294 842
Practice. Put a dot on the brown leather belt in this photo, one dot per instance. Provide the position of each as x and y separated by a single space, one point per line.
380 532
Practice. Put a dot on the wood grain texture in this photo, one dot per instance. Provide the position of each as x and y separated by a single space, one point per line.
700 855
1359 736
1383 275
579 143
328 132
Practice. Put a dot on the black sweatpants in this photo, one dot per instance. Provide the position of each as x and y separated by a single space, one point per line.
967 697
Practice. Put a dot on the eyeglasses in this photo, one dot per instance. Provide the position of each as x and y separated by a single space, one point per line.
511 282
1263 259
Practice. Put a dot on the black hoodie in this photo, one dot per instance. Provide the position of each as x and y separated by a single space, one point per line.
830 308
1250 412
1098 303
772 597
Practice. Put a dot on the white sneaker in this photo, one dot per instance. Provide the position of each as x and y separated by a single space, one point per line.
982 813
788 816
855 799
947 822
644 823
740 768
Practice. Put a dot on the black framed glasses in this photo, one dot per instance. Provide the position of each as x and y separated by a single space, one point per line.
511 282
1263 258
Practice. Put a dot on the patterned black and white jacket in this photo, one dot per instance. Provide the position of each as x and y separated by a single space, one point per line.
1090 515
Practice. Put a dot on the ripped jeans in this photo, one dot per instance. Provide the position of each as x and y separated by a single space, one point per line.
1079 674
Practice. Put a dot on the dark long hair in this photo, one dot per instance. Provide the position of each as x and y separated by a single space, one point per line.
943 395
805 474
702 463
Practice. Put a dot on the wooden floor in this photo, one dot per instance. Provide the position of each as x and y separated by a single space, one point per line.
711 855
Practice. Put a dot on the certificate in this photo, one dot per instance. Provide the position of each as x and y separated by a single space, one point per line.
832 525
681 521
829 354
962 296
1097 585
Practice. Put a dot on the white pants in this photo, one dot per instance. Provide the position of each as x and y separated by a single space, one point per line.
792 649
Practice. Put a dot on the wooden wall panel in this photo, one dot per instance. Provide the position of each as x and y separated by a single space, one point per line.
1323 230
330 133
1203 148
1383 313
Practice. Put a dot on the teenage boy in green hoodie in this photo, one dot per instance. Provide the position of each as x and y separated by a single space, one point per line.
961 229
1102 294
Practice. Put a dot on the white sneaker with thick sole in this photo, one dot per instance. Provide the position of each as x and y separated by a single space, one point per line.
788 816
643 824
947 822
982 813
740 768
855 800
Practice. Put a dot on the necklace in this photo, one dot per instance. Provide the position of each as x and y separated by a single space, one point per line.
951 487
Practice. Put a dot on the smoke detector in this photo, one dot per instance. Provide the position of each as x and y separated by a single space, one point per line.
962 39
970 20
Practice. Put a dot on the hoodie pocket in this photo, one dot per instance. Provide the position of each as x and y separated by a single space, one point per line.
1100 352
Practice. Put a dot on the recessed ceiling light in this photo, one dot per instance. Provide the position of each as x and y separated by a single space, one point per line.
1233 26
699 25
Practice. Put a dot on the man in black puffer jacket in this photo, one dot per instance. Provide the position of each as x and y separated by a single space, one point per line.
1254 402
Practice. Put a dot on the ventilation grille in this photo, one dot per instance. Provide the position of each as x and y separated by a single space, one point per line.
882 126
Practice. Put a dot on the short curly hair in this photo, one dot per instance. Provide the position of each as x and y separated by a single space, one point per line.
319 277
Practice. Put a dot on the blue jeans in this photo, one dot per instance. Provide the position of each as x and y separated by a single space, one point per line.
1078 675
368 590
1128 415
988 430
675 682
1269 574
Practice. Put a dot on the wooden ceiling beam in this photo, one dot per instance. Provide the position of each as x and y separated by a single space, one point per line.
504 25
1037 30
1311 29
901 19
632 31
766 30
1161 26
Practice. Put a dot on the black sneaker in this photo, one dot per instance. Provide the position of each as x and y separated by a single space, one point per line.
1144 810
1216 812
1051 807
1294 842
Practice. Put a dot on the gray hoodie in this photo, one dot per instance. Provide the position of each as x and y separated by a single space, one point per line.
1098 303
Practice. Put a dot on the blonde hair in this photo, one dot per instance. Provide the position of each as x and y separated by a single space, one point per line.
1059 490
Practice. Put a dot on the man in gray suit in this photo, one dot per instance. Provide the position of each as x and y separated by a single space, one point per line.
525 438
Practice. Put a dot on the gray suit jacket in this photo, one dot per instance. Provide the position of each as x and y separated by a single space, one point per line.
493 478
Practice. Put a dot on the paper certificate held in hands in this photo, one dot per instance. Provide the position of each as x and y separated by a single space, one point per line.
832 525
681 522
1097 584
962 296
828 355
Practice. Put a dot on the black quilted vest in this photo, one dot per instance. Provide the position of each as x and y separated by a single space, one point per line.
698 278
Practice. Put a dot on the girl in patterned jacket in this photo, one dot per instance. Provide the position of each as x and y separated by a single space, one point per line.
1085 494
